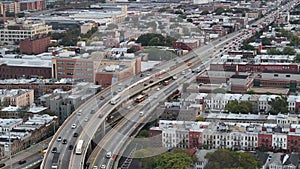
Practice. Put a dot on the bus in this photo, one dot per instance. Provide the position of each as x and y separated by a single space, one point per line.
115 100
79 147
140 98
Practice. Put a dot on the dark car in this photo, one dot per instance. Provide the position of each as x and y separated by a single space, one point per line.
71 147
54 150
75 135
64 141
2 165
22 162
92 111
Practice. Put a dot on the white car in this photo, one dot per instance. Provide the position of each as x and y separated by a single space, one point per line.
95 167
74 126
103 166
108 154
86 119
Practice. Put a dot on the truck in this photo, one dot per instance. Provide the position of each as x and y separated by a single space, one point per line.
55 161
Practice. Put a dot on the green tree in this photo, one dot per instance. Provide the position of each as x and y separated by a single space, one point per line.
273 51
288 51
219 11
225 159
250 92
238 107
266 41
279 105
205 12
189 20
169 160
152 39
143 133
297 58
246 46
219 90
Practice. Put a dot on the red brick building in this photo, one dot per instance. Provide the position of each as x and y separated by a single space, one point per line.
195 139
293 142
34 45
34 5
14 72
186 44
264 140
256 67
77 69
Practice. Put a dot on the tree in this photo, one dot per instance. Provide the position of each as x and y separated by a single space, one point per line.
246 46
273 51
250 92
225 159
288 51
266 41
279 105
219 11
152 39
297 58
238 107
179 160
205 12
189 20
219 90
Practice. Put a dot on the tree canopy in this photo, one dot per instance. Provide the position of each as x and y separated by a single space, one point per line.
279 105
153 39
174 160
238 107
225 159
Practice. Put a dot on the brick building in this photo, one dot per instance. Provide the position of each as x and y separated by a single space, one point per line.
35 45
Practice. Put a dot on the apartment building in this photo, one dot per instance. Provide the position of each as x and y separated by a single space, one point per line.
17 97
19 29
217 102
238 136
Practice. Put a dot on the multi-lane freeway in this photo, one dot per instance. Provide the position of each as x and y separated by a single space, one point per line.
87 123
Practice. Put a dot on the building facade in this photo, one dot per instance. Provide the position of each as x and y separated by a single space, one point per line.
17 30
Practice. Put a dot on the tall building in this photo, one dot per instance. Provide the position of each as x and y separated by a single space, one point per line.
19 29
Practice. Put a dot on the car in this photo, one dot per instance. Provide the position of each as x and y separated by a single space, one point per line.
75 135
101 97
100 115
64 141
92 111
54 150
145 84
141 113
59 139
2 165
108 154
151 81
73 126
158 89
103 166
86 119
120 89
79 112
70 147
22 162
141 75
95 167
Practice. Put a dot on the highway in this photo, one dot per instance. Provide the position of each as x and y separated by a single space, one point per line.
114 140
87 129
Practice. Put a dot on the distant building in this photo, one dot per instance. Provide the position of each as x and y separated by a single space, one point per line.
17 97
17 30
13 66
34 45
